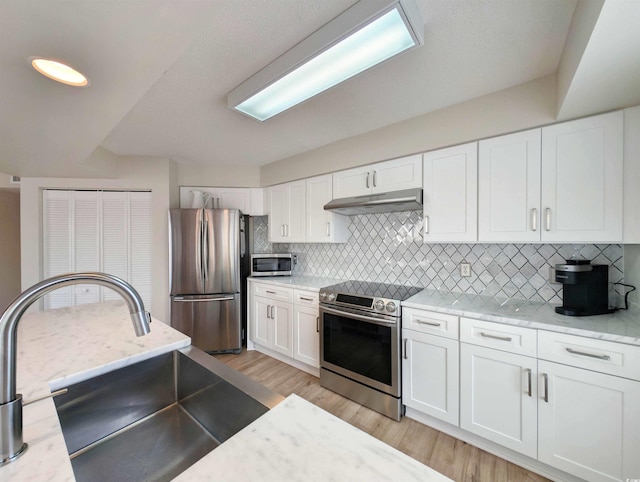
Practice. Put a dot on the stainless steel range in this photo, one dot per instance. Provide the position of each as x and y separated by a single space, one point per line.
360 343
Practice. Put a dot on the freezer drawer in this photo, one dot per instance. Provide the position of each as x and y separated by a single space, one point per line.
213 322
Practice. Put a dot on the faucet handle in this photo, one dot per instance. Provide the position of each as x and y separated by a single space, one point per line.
43 397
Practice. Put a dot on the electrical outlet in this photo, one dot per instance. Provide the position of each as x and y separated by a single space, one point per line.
465 269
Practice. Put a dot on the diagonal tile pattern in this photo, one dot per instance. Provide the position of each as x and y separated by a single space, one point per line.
388 248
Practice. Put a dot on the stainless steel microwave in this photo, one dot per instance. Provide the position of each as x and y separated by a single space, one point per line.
267 264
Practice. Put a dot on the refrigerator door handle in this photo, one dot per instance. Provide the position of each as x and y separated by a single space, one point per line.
186 299
205 248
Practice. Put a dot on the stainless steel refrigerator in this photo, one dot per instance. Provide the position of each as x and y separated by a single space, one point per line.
208 269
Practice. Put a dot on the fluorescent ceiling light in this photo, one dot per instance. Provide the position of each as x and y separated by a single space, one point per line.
59 72
370 32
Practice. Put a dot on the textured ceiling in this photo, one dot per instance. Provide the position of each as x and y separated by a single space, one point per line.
161 69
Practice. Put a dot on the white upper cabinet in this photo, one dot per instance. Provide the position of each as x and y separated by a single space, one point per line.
248 200
509 170
394 175
450 190
323 226
582 180
287 212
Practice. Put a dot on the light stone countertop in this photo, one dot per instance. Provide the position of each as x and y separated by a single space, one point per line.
311 283
622 326
294 441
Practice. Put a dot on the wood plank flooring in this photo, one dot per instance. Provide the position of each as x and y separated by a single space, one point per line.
449 456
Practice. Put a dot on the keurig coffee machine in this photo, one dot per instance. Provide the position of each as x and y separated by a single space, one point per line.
585 289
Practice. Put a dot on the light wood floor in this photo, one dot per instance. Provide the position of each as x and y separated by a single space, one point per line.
449 456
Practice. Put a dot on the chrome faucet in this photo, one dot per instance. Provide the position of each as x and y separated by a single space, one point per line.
11 444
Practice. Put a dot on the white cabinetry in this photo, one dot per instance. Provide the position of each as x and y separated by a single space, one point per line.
284 324
509 169
450 190
498 398
582 180
588 421
306 327
430 363
271 320
323 226
394 175
287 212
248 200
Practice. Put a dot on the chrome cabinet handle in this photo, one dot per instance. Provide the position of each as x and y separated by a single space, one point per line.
406 356
534 219
328 229
591 355
430 323
374 179
529 381
495 337
368 180
317 324
306 299
270 292
547 220
282 230
426 225
545 377
268 311
273 317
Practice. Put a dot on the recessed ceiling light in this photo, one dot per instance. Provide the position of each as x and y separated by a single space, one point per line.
59 72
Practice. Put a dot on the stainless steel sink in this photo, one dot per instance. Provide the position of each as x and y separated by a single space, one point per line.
154 419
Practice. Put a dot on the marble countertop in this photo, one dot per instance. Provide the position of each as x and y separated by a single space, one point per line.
312 283
294 441
622 326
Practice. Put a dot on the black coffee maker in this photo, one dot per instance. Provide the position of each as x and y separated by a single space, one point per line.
585 288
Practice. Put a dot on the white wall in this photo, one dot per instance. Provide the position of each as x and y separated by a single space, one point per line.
632 271
522 107
133 173
9 247
218 176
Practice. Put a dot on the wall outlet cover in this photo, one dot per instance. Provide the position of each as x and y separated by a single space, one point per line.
465 269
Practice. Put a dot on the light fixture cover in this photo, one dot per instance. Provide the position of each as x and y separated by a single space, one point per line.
59 72
365 35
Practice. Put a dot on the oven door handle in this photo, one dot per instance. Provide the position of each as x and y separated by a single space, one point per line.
349 314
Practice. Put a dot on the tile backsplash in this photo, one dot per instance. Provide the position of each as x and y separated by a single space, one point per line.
388 248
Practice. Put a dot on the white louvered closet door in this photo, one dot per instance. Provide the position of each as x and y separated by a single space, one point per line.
104 231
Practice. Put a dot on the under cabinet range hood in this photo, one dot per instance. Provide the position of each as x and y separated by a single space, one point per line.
387 202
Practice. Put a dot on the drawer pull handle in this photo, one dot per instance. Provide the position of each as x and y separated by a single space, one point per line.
405 348
317 324
306 299
271 292
495 337
430 323
529 381
534 219
545 377
547 222
592 355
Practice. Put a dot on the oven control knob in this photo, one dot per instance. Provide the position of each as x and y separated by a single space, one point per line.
391 307
380 305
323 296
331 296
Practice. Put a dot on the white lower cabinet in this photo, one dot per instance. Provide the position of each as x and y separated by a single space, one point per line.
498 397
284 321
430 375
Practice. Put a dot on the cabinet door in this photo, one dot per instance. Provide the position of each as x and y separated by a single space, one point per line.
430 375
306 335
278 213
451 194
397 174
233 198
297 209
261 321
323 226
582 180
509 187
352 182
498 398
589 423
282 328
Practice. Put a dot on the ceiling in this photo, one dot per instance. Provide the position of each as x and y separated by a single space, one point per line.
160 71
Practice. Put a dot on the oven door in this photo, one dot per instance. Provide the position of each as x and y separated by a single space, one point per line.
361 347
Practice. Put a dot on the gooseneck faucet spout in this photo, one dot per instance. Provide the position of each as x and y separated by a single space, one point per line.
11 444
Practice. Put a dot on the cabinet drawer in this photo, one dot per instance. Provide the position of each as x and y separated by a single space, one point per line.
273 292
305 298
430 322
590 353
513 339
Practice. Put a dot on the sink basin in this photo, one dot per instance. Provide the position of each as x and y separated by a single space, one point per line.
154 419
